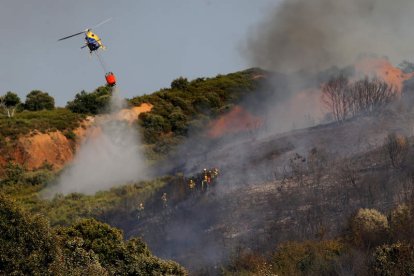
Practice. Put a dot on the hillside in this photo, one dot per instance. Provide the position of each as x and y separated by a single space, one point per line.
266 187
51 137
293 186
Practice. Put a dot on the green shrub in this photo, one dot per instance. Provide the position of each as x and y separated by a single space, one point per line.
46 120
13 173
70 135
189 104
38 177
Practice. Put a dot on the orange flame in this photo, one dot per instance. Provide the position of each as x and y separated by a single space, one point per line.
382 68
237 120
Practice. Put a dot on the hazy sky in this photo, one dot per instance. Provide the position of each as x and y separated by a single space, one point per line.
150 42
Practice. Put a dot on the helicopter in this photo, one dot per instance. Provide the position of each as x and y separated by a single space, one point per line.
94 43
92 40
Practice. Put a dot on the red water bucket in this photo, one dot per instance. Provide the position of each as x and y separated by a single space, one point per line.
110 79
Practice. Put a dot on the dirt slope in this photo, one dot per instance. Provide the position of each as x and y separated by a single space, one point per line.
54 148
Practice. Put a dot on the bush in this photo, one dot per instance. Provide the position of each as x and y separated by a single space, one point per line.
13 173
39 177
369 227
42 121
307 258
394 259
401 223
70 135
396 146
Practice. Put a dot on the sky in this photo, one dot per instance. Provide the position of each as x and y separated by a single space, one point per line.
149 43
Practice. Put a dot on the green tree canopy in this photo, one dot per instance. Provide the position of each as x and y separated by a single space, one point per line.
38 100
116 256
11 99
91 103
181 83
9 103
27 246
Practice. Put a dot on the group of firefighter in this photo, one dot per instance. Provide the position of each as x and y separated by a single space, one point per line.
201 182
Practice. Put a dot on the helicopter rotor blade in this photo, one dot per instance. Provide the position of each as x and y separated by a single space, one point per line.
103 22
63 38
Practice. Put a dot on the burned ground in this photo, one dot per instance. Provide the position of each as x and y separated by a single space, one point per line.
296 186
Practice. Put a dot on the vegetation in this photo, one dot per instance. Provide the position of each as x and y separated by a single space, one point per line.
373 247
345 99
189 105
26 188
38 100
30 246
9 103
42 121
91 103
63 235
27 245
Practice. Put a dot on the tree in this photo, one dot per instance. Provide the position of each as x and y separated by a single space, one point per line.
38 100
397 148
91 103
27 245
9 103
368 96
103 243
180 84
335 97
365 96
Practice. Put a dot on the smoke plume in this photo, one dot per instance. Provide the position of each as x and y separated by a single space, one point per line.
315 35
109 156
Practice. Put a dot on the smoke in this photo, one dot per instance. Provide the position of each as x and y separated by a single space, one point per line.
108 157
315 35
309 40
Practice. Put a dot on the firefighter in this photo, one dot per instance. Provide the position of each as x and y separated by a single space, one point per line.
215 172
140 210
164 200
191 184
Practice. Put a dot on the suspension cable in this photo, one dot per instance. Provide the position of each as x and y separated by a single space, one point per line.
103 65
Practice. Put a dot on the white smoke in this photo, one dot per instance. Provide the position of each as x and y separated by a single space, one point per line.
107 158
